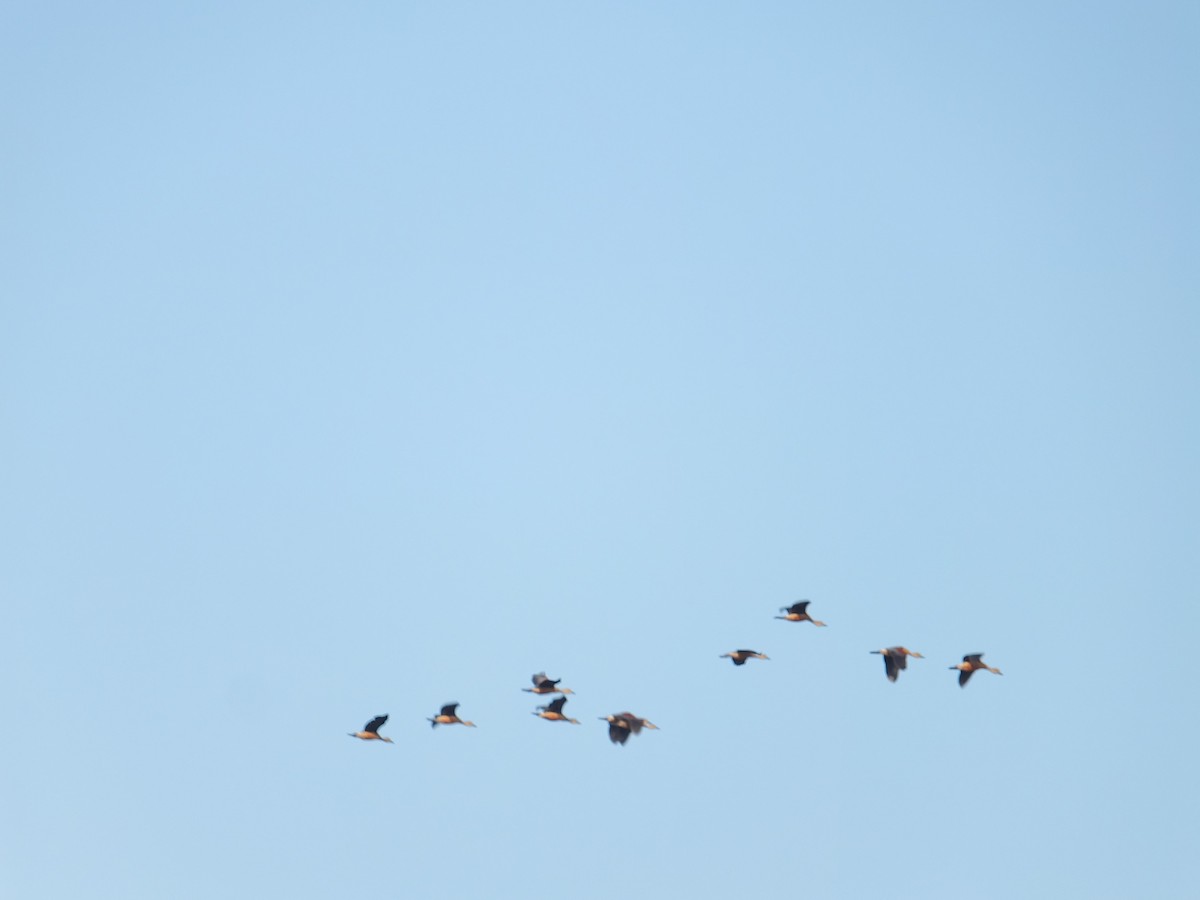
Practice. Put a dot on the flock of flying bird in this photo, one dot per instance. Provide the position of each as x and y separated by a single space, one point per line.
621 725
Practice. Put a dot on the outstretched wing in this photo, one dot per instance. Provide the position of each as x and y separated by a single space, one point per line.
974 659
539 678
448 709
799 607
889 665
964 675
375 724
617 732
556 705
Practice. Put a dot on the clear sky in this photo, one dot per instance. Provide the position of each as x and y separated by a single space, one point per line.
357 358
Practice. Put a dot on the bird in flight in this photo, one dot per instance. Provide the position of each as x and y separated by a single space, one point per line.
448 717
798 612
370 731
895 660
544 685
621 725
972 663
739 657
553 711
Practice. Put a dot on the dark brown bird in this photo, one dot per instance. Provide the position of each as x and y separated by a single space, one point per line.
972 663
895 660
798 612
739 657
621 725
553 711
544 685
370 731
448 717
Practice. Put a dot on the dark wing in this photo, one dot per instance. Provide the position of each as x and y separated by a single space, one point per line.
889 665
375 724
738 659
964 675
632 722
539 678
901 660
618 733
555 706
973 659
448 709
799 607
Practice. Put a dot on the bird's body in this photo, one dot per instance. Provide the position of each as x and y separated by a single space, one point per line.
739 657
553 711
798 612
621 725
544 685
448 717
972 663
370 731
895 660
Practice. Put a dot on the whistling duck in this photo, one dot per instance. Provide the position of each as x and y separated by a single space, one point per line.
553 711
621 725
797 612
739 657
544 685
895 660
971 663
448 717
370 731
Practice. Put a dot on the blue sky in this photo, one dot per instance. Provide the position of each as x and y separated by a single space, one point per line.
358 360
